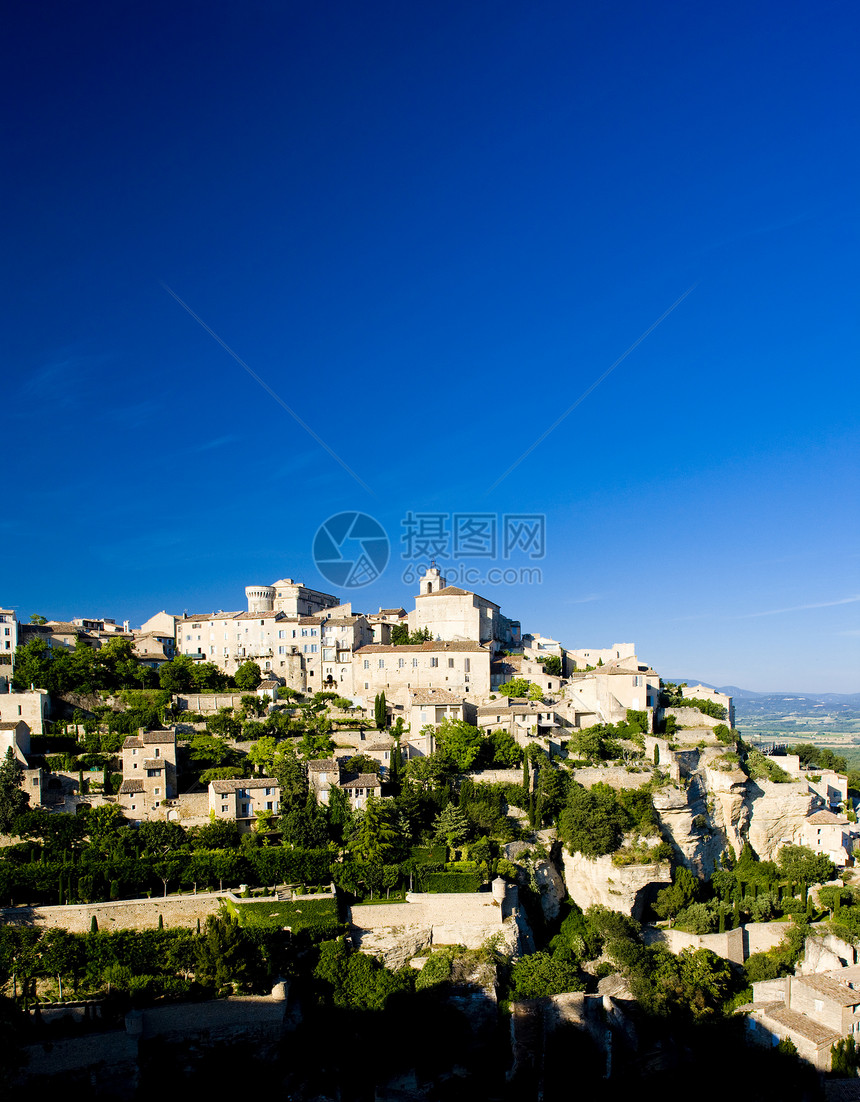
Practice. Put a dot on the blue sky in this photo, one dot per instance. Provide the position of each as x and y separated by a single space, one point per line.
429 229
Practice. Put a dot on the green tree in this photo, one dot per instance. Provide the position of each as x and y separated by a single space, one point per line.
541 974
380 712
551 665
503 749
292 777
684 891
535 692
459 742
451 826
592 822
248 676
803 866
376 837
517 686
13 798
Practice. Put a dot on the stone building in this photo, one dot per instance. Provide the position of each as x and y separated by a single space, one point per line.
239 799
289 597
451 613
460 667
814 1011
8 644
32 706
148 773
835 836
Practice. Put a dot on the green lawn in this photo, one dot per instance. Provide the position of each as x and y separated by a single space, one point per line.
303 914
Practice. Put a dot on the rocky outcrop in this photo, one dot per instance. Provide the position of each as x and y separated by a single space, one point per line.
626 888
685 821
394 945
728 809
777 815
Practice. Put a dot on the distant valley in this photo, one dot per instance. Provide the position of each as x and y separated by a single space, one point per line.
827 718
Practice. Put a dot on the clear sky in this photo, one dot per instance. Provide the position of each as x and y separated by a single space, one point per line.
429 229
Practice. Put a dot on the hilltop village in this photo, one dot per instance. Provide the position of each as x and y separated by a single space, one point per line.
411 819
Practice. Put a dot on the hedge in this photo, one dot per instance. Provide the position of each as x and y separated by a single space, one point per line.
452 882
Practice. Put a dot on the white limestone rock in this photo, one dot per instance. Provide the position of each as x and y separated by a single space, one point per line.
597 881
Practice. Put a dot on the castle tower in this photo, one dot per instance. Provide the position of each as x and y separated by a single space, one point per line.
261 598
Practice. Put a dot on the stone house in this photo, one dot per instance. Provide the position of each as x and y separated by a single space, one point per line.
239 799
148 772
8 645
327 773
422 706
359 789
15 735
523 719
814 1011
832 835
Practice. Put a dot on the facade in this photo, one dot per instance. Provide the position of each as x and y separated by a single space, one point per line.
590 656
15 736
422 706
462 668
31 706
523 719
238 800
832 835
8 644
309 653
148 773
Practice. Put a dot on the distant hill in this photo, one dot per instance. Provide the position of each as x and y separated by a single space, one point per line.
808 715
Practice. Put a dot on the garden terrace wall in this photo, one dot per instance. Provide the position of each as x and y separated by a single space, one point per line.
127 914
616 776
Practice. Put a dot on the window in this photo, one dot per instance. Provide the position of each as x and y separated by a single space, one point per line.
382 663
156 791
467 666
450 663
401 662
414 663
152 772
434 662
224 807
366 666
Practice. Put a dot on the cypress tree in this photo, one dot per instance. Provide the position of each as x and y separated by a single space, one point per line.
94 925
161 922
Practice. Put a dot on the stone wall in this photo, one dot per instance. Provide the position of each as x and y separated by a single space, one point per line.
126 914
729 945
496 776
616 776
692 717
735 945
398 931
209 702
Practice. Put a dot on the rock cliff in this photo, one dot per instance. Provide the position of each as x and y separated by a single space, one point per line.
626 888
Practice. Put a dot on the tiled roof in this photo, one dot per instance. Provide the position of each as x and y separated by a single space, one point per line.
433 696
128 787
364 780
380 745
231 785
392 612
322 765
212 616
152 738
154 763
801 1024
132 742
835 985
259 616
11 725
822 818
